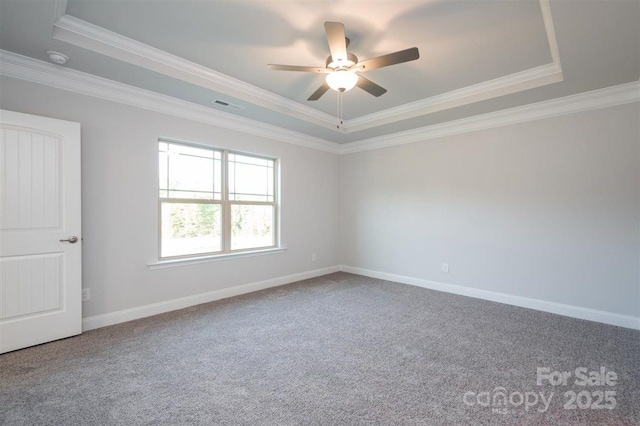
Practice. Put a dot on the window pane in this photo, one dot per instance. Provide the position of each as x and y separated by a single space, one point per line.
217 173
189 172
191 194
177 148
163 170
250 178
190 229
251 226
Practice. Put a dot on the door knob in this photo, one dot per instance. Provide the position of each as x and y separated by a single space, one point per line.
71 240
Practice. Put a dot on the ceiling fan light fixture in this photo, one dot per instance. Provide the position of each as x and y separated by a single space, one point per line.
342 80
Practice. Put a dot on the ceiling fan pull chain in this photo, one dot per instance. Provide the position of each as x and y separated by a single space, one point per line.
338 110
340 102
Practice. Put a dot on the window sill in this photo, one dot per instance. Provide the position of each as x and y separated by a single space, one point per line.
213 258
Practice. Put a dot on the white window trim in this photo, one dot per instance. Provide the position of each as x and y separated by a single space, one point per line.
227 253
169 263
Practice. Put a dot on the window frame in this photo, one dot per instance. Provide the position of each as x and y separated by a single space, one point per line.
224 202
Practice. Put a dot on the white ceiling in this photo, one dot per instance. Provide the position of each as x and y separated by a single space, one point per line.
476 56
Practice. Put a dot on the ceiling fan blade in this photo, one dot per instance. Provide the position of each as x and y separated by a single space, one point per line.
318 93
337 41
391 59
369 86
276 67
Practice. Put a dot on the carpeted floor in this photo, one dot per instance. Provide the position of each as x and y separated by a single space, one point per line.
336 350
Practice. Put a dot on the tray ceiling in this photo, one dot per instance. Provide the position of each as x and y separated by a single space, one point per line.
476 56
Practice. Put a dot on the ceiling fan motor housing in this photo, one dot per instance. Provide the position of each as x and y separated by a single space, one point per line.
336 65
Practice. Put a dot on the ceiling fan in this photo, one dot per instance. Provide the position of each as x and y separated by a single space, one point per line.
342 68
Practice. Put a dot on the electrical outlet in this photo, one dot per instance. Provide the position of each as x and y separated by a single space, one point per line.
313 257
445 268
86 294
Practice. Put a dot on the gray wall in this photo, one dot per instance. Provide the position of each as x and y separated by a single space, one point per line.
547 210
120 210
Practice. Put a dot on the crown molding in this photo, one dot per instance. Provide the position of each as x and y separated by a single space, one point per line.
84 34
29 69
596 99
59 9
89 36
545 8
518 82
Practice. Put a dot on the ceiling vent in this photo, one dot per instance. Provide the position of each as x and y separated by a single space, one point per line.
228 105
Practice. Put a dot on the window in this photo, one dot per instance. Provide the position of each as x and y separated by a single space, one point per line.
214 201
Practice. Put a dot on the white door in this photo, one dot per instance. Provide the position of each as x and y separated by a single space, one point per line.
40 273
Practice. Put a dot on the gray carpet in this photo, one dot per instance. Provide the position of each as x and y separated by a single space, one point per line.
336 350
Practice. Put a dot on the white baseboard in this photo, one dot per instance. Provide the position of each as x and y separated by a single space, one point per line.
605 317
91 323
627 321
